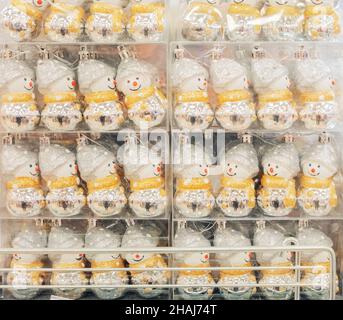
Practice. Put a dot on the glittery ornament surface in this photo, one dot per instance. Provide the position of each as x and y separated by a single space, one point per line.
108 278
151 278
68 279
234 202
319 115
284 28
145 26
315 201
320 27
19 280
195 291
280 291
320 286
236 291
275 204
241 28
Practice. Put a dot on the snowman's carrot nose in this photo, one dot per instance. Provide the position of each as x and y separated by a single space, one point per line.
135 84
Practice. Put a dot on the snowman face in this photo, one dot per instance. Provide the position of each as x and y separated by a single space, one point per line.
197 83
24 258
105 83
239 171
325 84
155 169
201 170
320 2
21 84
69 169
29 169
40 4
282 2
252 3
315 169
213 2
137 257
106 257
108 168
274 169
197 258
134 83
281 84
66 84
72 258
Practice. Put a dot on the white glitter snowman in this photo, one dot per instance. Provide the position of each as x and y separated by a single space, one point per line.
18 111
189 238
192 108
59 169
276 108
284 20
56 82
236 109
277 195
138 236
98 85
23 19
242 20
202 20
282 278
193 197
315 83
97 165
32 239
237 196
147 106
101 238
24 197
236 278
65 21
106 22
64 238
146 20
322 21
317 193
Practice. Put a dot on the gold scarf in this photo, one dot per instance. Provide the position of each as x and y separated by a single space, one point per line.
107 183
309 182
101 96
194 96
288 11
61 183
234 96
193 184
307 97
23 182
27 8
275 96
147 183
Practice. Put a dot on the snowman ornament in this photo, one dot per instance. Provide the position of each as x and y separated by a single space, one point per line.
97 83
22 19
236 109
57 83
64 238
102 238
277 195
315 83
106 22
18 110
31 239
24 197
97 165
192 110
59 169
237 195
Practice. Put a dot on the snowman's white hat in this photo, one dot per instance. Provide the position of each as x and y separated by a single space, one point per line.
65 238
11 70
101 238
189 238
30 238
311 237
138 236
230 238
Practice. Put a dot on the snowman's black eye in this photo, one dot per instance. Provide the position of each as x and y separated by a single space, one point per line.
108 79
318 166
236 167
70 166
109 164
137 78
128 81
277 167
31 165
310 165
25 79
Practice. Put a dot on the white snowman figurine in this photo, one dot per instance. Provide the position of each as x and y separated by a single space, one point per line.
284 20
57 83
106 22
243 20
189 238
230 238
202 21
317 193
65 20
101 238
18 110
237 196
24 197
139 236
97 83
277 195
146 21
31 239
59 169
236 109
276 108
23 19
282 278
192 108
315 83
97 165
147 106
193 197
64 238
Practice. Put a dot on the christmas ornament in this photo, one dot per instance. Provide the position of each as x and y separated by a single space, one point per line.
65 21
188 238
106 22
321 20
146 20
24 197
202 21
59 169
315 83
142 237
100 238
277 196
230 238
21 264
235 110
284 20
56 82
317 194
63 238
106 196
243 20
22 19
237 195
192 107
276 108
